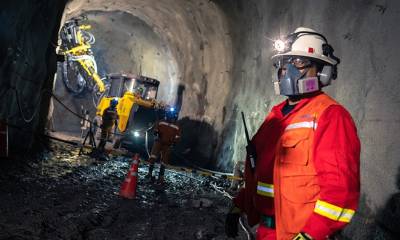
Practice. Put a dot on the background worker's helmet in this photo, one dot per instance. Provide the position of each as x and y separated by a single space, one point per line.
114 103
171 114
304 45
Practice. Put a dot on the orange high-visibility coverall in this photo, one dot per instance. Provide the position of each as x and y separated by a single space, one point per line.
168 134
307 173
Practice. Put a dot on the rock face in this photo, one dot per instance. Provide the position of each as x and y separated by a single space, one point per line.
220 51
28 33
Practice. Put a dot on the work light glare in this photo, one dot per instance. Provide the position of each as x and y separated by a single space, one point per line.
279 45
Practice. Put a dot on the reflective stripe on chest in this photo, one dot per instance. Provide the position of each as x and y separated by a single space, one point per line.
310 124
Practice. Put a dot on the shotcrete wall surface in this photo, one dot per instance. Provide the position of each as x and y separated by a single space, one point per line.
127 44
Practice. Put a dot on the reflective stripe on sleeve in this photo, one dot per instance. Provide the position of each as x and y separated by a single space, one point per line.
333 212
169 124
310 124
265 189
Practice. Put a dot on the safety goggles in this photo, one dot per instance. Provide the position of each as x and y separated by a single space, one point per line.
293 64
297 61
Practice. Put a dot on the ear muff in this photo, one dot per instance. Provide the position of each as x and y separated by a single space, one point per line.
334 71
328 51
325 76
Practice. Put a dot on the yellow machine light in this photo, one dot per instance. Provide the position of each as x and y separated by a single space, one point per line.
136 134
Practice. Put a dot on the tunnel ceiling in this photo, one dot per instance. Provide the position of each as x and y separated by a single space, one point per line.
194 45
125 43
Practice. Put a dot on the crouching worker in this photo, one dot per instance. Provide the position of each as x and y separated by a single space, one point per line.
167 134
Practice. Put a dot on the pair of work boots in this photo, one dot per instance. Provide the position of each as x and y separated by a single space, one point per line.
160 179
151 178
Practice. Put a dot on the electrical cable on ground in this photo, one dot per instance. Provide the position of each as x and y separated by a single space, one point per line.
226 194
248 231
223 192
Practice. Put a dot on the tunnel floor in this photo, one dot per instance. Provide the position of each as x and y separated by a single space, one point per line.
61 195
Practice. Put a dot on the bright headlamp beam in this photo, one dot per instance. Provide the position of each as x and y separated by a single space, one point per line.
279 45
136 134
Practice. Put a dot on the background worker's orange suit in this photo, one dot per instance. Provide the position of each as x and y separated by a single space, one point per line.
307 174
168 134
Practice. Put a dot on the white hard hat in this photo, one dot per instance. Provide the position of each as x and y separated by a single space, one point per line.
308 43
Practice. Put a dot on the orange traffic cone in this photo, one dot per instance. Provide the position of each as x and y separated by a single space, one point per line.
128 187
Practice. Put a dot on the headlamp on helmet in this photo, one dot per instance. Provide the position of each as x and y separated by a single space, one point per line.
280 45
300 50
114 102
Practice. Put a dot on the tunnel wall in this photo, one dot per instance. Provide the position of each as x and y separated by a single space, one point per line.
28 36
365 36
195 34
125 43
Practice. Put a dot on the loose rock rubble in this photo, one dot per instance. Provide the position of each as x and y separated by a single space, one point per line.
62 195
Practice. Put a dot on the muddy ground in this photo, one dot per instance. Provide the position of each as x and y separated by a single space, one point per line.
61 195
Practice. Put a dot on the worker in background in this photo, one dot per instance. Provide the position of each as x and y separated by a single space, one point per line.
167 133
109 120
85 123
306 179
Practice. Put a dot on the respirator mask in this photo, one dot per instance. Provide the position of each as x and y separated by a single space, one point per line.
290 76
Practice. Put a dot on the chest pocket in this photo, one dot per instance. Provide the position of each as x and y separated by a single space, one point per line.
299 187
295 147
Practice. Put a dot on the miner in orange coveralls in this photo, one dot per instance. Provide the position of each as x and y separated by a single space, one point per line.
167 133
306 180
